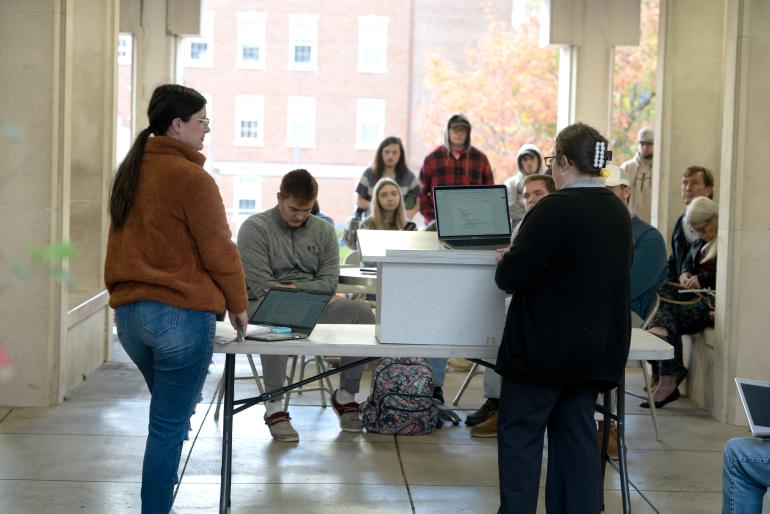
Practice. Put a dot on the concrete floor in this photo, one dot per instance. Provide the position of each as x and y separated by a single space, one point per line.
85 456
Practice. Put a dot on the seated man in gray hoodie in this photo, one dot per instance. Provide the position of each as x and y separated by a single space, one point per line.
530 162
285 246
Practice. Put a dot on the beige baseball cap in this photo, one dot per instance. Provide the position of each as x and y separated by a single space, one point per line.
616 176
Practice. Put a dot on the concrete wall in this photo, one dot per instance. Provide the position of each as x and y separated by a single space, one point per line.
714 111
33 188
59 110
744 220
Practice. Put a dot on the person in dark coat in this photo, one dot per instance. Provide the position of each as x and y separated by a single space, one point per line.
697 181
675 318
567 333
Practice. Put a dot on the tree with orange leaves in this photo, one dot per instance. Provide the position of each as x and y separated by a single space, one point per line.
509 85
509 92
633 85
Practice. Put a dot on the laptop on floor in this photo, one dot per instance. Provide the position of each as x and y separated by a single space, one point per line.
472 217
289 313
755 396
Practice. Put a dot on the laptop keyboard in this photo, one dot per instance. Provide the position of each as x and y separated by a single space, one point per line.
465 243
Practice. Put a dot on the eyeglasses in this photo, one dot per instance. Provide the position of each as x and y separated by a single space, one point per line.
549 161
203 121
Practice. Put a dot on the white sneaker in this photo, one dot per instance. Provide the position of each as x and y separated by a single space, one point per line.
280 427
349 414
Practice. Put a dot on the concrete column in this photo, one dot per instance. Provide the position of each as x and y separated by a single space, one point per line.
689 131
35 140
155 49
93 128
94 93
689 92
585 78
714 111
743 280
587 32
58 134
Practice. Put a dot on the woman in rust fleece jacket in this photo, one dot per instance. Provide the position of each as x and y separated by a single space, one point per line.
170 266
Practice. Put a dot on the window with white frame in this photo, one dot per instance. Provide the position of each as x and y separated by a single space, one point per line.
247 194
300 122
199 51
303 41
370 123
372 44
125 51
249 120
251 40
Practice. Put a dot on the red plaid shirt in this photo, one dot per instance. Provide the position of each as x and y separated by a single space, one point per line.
440 168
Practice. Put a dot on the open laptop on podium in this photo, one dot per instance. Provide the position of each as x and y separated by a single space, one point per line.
472 217
755 396
288 314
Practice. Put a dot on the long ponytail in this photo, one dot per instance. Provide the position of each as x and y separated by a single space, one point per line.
125 180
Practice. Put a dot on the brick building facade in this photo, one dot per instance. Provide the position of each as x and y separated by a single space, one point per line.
317 85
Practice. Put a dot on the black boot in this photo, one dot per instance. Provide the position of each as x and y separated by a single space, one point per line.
483 413
438 394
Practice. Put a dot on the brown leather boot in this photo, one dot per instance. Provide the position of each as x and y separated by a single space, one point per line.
612 444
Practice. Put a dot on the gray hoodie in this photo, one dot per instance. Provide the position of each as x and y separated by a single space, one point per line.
515 184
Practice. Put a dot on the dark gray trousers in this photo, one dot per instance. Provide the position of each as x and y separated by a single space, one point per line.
574 474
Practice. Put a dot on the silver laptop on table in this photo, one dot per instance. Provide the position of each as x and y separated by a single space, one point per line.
289 313
755 396
472 217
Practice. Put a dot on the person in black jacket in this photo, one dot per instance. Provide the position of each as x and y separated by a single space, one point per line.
673 320
567 333
696 181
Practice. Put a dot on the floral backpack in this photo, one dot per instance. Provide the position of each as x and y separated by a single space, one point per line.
401 401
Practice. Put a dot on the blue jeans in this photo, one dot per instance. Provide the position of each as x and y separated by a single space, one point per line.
745 475
438 365
172 348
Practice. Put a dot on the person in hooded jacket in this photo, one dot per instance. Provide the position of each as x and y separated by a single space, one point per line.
455 162
530 162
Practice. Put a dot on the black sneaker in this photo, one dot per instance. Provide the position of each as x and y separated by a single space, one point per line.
438 394
483 413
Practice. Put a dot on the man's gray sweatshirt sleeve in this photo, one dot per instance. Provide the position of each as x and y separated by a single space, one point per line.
329 265
253 245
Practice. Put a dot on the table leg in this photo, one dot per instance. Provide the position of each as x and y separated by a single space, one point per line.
622 464
225 483
227 435
607 421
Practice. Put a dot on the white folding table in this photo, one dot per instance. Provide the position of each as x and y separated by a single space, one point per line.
360 341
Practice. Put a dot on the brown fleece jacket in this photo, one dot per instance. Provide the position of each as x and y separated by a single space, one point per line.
175 245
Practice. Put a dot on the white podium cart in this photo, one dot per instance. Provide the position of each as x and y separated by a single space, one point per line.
430 295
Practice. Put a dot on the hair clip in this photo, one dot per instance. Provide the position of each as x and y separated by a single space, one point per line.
599 154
